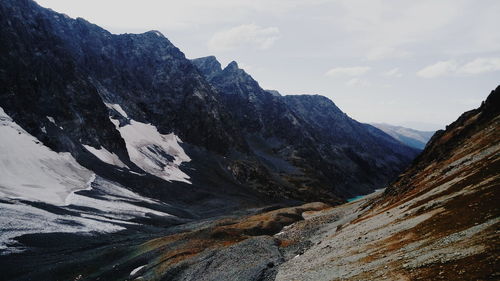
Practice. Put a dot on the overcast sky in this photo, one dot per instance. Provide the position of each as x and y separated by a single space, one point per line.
418 63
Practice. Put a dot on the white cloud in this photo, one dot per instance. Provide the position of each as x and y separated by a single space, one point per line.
353 82
440 68
357 82
393 73
391 29
481 65
348 71
244 35
451 67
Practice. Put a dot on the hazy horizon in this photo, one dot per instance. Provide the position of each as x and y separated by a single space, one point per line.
416 64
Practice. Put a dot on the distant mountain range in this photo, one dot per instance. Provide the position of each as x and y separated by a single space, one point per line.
413 138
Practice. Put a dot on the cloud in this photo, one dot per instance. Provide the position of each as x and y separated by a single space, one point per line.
348 71
440 68
357 82
451 67
393 73
481 65
383 29
244 35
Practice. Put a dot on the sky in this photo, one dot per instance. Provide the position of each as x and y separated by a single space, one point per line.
403 62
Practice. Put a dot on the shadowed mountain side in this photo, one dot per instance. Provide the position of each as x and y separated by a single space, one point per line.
309 133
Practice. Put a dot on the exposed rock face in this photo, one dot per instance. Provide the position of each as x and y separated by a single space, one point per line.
208 66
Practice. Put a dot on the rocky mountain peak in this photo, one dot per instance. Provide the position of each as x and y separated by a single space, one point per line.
274 93
320 104
156 33
232 66
208 66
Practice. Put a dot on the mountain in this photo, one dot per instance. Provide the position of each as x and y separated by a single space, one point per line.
422 126
307 133
413 138
120 135
438 221
121 159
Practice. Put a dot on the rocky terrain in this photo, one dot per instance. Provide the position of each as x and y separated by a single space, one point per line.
414 138
103 133
438 221
121 159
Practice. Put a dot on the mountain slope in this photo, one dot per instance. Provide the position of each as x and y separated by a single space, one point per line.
410 137
80 89
309 133
129 112
120 107
375 156
438 221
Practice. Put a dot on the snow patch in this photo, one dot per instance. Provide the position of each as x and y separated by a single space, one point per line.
51 119
105 156
118 108
19 219
32 171
107 207
135 173
133 272
157 154
115 202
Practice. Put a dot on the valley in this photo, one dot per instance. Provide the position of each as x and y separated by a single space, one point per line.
122 159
